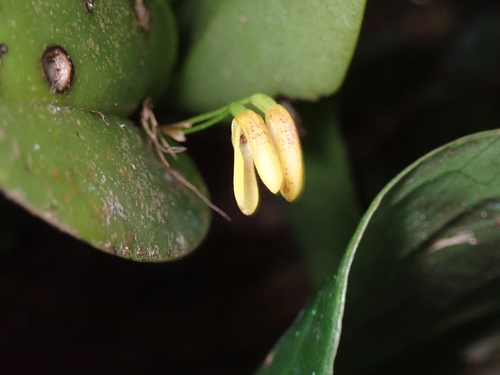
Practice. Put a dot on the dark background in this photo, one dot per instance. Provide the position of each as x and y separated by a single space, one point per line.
425 73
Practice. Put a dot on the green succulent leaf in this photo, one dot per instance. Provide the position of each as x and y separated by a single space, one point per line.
95 177
116 60
300 49
427 262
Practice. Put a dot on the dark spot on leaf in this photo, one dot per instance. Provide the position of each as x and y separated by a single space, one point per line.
92 175
141 14
98 211
58 68
3 51
89 4
55 174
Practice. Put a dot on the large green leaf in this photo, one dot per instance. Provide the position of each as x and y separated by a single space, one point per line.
427 261
95 177
300 49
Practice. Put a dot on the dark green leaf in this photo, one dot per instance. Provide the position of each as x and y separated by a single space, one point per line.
95 177
427 261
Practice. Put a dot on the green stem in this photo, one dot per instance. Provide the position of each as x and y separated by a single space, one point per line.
206 124
208 115
211 118
216 113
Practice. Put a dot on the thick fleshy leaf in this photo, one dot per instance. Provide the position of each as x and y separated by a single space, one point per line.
427 261
117 60
95 177
300 49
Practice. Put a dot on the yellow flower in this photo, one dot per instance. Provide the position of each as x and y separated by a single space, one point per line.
253 145
245 187
287 143
272 147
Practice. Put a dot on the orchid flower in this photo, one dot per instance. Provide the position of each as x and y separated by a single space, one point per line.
270 147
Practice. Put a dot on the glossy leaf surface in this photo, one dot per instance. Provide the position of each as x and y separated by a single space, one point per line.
300 49
96 178
427 244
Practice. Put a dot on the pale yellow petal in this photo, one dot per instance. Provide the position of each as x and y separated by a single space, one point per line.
245 186
287 143
263 150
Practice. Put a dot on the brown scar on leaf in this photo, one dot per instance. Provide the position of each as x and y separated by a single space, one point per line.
160 145
3 51
92 174
56 175
58 69
141 14
89 5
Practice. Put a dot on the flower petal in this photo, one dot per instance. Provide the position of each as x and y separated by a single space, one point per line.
287 143
245 186
264 154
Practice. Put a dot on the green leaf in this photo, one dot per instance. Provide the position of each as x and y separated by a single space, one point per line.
310 344
295 48
96 178
116 62
427 261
